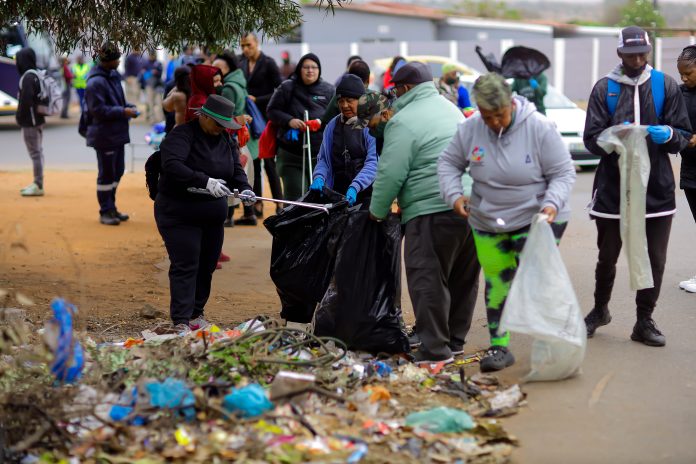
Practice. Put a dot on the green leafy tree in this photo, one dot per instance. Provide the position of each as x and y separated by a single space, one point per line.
487 9
641 13
144 24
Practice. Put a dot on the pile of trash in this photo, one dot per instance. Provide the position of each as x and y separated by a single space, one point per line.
259 392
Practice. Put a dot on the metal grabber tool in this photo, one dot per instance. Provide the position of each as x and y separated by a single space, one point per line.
324 208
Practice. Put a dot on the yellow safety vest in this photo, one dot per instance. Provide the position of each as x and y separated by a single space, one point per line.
80 72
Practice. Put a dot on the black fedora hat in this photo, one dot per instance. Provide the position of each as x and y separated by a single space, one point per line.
221 110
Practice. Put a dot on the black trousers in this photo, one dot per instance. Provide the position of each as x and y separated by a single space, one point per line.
193 234
691 198
609 244
442 272
269 165
111 164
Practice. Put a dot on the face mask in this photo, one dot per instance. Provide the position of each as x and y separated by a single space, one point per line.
378 131
451 80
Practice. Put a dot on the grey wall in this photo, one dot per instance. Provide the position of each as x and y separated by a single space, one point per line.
355 26
449 32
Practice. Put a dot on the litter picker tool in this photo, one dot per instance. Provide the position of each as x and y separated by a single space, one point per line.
241 196
306 146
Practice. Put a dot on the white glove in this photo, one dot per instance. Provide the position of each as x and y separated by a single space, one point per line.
217 188
248 197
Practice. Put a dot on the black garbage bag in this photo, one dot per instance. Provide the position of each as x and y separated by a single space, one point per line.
362 305
304 252
524 63
489 61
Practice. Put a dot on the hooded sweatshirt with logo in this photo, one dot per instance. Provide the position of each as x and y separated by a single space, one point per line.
516 174
28 97
635 104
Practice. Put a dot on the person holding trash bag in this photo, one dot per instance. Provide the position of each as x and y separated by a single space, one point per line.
304 91
686 64
441 267
347 161
200 166
634 91
520 166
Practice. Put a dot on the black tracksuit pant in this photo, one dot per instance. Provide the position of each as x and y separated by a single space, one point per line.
442 272
193 234
609 244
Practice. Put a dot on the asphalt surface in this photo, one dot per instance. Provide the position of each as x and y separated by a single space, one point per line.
631 404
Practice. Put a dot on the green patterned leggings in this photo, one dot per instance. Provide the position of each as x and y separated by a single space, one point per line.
499 256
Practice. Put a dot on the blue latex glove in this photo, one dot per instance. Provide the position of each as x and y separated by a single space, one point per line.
659 134
534 83
292 135
317 184
351 196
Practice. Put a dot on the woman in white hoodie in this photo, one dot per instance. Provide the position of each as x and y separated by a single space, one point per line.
520 167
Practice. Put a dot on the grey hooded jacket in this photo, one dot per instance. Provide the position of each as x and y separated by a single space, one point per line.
515 174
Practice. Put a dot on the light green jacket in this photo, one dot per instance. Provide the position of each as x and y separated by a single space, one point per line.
422 127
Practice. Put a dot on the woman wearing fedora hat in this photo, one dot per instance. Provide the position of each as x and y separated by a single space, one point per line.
200 166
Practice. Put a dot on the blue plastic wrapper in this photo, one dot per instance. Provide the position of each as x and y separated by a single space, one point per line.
383 369
69 358
170 394
249 401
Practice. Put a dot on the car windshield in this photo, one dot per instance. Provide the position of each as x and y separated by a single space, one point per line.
556 100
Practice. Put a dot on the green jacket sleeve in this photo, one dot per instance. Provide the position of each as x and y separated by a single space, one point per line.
393 168
236 96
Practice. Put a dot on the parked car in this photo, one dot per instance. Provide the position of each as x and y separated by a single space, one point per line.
569 118
8 105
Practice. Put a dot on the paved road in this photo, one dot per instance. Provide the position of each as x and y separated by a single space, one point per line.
646 413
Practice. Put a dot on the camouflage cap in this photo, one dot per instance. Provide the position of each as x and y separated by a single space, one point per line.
370 104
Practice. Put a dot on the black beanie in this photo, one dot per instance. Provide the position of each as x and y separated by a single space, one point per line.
350 86
308 56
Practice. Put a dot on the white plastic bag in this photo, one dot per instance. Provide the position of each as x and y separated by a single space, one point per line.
542 303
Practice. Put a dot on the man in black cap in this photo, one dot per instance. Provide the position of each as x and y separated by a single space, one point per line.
200 167
441 265
107 129
634 93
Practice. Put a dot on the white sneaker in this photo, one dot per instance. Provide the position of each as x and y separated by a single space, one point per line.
684 283
199 323
690 287
32 190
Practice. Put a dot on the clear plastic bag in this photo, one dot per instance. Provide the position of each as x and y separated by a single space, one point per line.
542 303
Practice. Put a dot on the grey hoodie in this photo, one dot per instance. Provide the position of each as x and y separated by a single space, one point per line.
515 175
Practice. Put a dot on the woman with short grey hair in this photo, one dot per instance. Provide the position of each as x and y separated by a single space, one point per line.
520 167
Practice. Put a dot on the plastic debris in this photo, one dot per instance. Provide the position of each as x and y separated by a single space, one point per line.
69 358
249 401
441 420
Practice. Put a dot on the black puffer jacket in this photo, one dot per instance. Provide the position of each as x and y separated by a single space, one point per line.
660 194
28 97
688 164
290 101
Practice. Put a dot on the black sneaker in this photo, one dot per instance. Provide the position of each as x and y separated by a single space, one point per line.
596 318
413 339
228 222
109 218
497 358
246 221
456 349
121 217
646 332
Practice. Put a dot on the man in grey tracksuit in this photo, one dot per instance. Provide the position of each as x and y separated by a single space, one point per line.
520 167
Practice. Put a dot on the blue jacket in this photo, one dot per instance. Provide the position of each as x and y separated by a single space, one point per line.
108 125
367 174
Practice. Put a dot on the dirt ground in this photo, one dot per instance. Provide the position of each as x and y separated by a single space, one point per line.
55 246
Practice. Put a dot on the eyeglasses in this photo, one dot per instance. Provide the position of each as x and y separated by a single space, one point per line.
310 68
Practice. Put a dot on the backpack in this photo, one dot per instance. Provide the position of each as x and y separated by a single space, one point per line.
657 84
153 167
50 95
85 117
